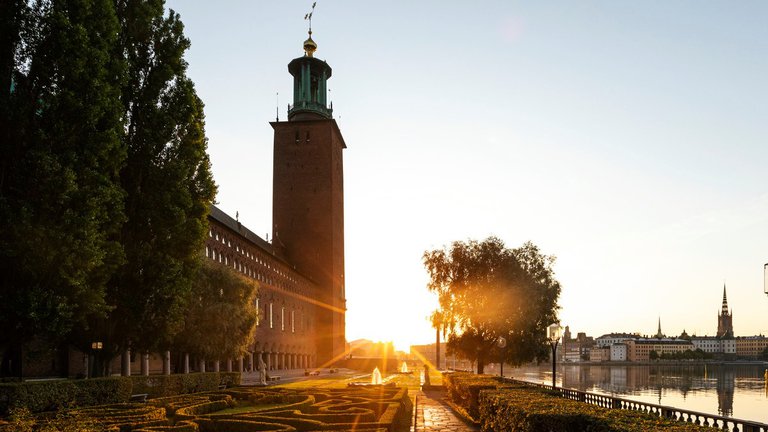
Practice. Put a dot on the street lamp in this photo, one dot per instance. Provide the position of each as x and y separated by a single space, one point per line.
501 343
553 334
765 278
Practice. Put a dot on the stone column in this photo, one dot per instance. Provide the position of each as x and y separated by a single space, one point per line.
282 361
269 361
186 363
240 364
145 364
125 364
201 365
216 366
167 363
229 365
86 366
252 367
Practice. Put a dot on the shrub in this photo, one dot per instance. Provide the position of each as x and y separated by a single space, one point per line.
50 395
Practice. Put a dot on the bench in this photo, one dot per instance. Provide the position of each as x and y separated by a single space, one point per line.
139 397
274 378
314 373
222 386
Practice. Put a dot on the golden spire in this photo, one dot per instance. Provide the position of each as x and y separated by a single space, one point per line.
309 45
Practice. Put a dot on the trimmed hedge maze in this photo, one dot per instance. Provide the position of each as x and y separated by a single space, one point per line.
360 409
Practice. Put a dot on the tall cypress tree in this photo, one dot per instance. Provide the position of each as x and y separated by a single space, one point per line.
61 204
167 179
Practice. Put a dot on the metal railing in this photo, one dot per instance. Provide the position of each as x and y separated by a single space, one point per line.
698 418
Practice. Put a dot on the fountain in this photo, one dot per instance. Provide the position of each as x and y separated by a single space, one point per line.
376 376
404 368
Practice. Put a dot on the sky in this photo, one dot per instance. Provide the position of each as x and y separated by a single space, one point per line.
628 139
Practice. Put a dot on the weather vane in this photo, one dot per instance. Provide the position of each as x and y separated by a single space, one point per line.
309 16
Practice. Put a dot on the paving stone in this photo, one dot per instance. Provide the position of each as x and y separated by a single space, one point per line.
434 415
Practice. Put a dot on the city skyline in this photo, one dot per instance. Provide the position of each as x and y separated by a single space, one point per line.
626 140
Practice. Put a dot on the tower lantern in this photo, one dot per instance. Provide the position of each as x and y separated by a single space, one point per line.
310 77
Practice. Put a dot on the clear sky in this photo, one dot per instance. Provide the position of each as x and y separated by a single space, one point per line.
626 138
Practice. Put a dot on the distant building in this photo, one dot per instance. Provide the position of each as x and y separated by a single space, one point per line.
640 349
599 354
714 345
750 346
578 349
609 339
725 319
619 352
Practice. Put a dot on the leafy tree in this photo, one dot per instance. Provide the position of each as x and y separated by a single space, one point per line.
486 290
653 355
167 180
61 204
221 314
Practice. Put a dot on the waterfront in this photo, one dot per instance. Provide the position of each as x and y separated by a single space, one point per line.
731 390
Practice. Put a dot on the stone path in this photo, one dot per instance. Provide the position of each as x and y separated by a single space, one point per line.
433 415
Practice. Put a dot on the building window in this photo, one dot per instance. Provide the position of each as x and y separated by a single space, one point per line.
282 318
293 322
271 322
258 313
207 252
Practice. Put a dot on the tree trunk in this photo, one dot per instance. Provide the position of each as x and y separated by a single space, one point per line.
480 365
437 348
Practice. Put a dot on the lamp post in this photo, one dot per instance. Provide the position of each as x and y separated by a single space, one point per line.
501 343
553 334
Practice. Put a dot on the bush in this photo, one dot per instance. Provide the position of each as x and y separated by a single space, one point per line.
50 395
464 390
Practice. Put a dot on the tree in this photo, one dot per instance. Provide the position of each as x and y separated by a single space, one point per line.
61 204
653 355
167 180
221 314
486 290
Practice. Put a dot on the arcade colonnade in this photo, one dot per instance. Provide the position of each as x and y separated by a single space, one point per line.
147 364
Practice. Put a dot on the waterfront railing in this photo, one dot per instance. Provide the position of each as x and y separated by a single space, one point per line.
679 414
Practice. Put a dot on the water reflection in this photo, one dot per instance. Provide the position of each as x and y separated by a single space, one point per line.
737 391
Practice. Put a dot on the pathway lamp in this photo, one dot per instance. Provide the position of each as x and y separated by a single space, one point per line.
502 343
553 334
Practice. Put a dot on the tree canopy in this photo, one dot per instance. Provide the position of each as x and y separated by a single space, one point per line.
221 314
486 290
61 204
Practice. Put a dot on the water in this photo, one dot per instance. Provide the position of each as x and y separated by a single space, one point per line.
734 390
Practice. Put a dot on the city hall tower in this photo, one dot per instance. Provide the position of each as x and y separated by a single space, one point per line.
308 198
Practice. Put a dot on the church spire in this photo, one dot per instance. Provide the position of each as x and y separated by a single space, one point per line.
725 301
659 334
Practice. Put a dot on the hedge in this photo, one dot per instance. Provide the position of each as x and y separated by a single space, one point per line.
353 409
534 410
41 396
169 385
50 395
501 405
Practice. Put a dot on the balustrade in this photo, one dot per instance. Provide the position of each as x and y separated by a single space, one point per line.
702 419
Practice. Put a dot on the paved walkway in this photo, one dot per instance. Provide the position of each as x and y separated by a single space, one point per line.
433 415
